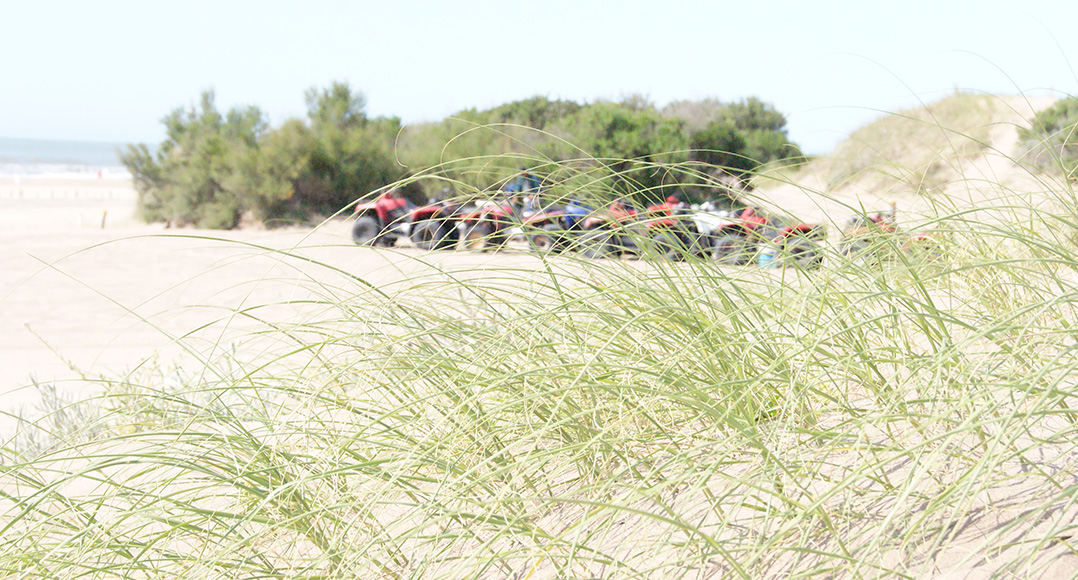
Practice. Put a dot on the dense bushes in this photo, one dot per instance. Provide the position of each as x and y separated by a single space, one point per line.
215 168
1051 139
626 138
199 174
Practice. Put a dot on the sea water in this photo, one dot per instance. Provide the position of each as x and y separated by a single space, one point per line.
47 158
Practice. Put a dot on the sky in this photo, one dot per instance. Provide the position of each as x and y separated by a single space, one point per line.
110 70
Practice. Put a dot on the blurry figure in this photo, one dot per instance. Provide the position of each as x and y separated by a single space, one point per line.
396 206
674 201
526 182
531 204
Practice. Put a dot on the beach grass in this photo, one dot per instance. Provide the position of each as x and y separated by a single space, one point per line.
902 413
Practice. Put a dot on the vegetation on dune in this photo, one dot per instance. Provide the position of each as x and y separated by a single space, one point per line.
919 149
213 169
554 417
1051 140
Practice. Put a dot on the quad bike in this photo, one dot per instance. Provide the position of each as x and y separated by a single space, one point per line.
661 230
492 224
864 234
671 232
388 218
738 238
609 232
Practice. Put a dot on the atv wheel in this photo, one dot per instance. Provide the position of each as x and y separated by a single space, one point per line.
625 243
803 253
476 237
548 239
365 230
598 244
732 250
855 248
429 234
668 246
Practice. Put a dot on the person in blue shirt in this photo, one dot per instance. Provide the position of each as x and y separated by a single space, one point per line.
526 182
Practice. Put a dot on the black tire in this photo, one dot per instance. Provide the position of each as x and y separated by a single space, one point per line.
452 234
626 242
666 245
549 238
733 250
429 234
802 253
476 237
854 248
365 230
598 244
694 244
701 246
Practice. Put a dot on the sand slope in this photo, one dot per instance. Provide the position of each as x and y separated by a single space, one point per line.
924 163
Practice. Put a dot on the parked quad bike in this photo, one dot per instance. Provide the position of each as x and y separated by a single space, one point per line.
661 230
864 232
672 234
388 218
491 225
549 237
738 238
434 226
877 235
610 232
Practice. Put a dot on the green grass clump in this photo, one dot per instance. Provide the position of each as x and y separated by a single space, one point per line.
553 417
1049 141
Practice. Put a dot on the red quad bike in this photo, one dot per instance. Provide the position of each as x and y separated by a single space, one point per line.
662 230
671 232
865 233
492 224
748 232
388 218
862 232
610 232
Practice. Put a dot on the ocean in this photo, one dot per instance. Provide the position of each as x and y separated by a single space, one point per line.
46 158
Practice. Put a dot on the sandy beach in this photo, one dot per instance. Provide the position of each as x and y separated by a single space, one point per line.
87 288
41 221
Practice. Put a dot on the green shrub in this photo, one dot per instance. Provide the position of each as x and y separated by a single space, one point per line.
1052 138
213 168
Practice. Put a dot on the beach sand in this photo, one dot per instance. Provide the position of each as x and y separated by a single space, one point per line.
42 220
88 289
85 291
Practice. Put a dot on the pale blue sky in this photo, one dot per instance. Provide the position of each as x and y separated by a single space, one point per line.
109 70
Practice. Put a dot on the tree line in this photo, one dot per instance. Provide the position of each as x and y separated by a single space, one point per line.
215 169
